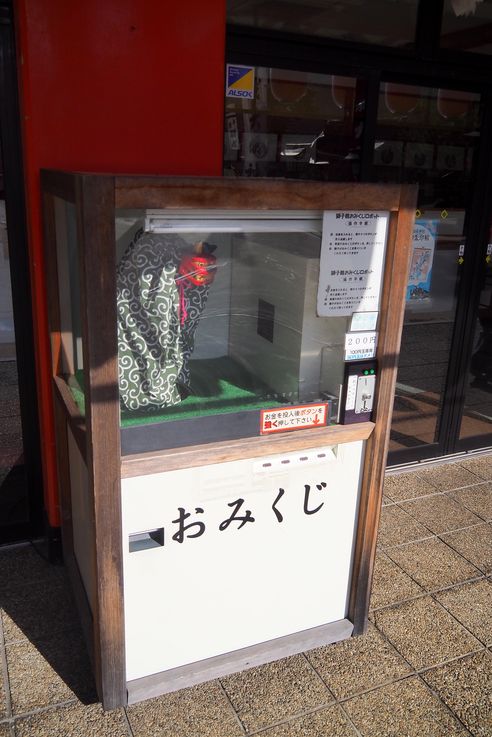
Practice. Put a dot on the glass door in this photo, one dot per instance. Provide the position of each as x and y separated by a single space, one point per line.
428 136
14 503
341 128
21 492
476 419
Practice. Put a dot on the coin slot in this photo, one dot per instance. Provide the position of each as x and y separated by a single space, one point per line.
146 540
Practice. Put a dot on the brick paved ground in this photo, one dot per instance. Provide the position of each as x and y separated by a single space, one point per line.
424 669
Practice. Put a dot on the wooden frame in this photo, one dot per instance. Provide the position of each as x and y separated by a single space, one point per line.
97 435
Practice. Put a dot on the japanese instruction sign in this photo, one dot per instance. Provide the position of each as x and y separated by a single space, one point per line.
360 345
300 417
351 263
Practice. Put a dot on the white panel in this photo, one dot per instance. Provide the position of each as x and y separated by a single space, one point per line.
284 273
229 589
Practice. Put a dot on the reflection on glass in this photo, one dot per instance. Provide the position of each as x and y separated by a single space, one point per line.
218 316
384 22
467 26
13 489
476 421
428 136
299 125
69 290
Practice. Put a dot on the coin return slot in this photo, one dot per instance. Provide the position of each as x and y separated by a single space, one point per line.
146 540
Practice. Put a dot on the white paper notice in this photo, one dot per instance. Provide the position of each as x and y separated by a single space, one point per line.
351 262
360 345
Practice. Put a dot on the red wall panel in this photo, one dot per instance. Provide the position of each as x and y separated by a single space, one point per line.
133 86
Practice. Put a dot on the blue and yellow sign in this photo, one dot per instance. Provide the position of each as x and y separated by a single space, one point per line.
240 81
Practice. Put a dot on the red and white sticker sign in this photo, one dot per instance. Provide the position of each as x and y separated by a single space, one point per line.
300 417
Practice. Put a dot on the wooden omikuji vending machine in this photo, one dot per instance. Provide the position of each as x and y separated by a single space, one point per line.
224 361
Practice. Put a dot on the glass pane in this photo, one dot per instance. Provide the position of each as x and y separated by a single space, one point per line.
14 507
385 22
467 26
69 290
428 136
217 316
299 125
476 421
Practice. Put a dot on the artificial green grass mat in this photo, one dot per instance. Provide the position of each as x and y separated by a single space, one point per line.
218 386
76 386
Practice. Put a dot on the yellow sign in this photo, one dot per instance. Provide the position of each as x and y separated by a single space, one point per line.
444 214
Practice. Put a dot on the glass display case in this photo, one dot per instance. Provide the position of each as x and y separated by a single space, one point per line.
217 320
214 338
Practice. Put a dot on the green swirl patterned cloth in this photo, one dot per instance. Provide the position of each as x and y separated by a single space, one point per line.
154 344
